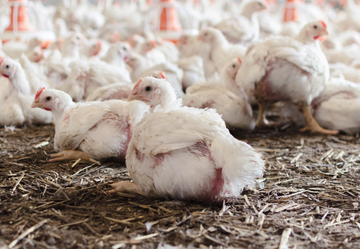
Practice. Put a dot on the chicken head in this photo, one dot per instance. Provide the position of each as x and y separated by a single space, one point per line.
313 31
153 92
233 68
50 100
8 67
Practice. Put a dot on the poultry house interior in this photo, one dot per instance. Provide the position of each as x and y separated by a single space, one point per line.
179 124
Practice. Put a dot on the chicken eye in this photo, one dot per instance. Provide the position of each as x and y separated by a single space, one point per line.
234 66
77 38
148 88
7 66
124 48
315 26
206 34
48 98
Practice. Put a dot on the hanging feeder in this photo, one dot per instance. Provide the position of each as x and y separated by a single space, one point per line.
291 13
20 29
168 19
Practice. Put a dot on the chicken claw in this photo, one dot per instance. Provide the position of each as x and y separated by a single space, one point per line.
312 125
126 186
71 155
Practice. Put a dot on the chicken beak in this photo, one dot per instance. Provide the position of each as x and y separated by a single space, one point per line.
36 104
324 32
132 97
135 96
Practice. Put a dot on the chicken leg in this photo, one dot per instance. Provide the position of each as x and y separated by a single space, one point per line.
126 186
261 121
71 155
312 125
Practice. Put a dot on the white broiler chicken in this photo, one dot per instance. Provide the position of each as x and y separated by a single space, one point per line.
349 73
337 107
120 91
16 49
118 54
244 27
92 49
169 49
188 45
72 45
34 73
185 153
16 98
60 28
90 130
172 72
346 55
220 53
58 62
138 64
227 98
193 70
88 75
136 42
35 55
287 69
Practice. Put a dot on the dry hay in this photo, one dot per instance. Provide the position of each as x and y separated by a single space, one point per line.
310 199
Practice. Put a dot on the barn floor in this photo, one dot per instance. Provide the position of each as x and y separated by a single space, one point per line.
308 198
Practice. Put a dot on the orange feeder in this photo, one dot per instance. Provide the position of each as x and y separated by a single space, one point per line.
291 14
168 19
20 28
270 2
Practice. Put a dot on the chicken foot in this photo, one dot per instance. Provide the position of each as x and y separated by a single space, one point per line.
312 125
71 155
126 186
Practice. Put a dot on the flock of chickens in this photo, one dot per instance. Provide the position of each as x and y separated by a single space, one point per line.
171 125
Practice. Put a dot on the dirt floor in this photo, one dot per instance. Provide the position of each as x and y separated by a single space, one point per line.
308 198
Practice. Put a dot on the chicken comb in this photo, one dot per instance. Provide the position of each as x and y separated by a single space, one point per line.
38 93
162 75
323 24
2 59
239 59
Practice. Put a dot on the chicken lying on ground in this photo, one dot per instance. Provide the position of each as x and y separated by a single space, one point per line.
16 97
334 108
97 130
337 107
88 75
229 99
283 68
185 153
